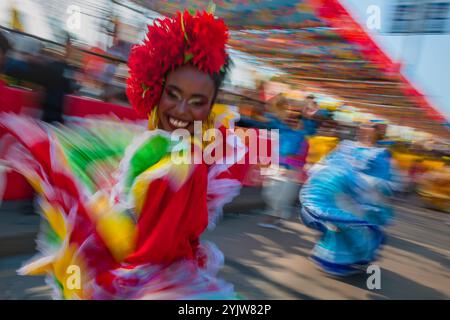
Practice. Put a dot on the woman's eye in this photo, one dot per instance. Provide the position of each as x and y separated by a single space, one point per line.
173 94
197 102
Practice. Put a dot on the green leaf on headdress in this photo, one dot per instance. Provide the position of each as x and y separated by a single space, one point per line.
145 88
191 11
211 7
188 57
184 29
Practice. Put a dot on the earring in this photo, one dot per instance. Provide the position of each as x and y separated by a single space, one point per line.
209 123
153 119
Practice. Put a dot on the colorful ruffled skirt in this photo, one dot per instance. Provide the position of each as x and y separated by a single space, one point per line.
350 239
121 219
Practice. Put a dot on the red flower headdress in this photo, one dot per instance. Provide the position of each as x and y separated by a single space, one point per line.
198 39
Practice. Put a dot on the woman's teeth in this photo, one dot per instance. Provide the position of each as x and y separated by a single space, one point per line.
178 123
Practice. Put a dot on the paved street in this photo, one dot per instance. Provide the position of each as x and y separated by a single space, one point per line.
274 264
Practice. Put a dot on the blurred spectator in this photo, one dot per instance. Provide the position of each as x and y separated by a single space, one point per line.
433 187
113 80
283 182
94 66
268 117
26 47
23 60
4 48
47 72
415 171
313 115
57 84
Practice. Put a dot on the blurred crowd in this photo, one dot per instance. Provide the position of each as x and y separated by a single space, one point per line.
309 132
56 70
308 128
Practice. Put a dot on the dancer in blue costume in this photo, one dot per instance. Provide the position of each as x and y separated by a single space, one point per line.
344 198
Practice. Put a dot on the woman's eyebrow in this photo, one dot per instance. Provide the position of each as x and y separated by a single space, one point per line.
199 95
174 87
195 95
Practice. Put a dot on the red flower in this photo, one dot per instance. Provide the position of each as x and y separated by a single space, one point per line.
170 43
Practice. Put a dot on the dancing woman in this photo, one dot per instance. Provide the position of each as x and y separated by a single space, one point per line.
344 198
118 211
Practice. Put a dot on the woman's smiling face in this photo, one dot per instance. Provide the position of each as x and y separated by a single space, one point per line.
187 97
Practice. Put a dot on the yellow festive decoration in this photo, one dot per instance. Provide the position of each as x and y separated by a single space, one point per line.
320 146
434 188
16 24
433 164
405 160
330 105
